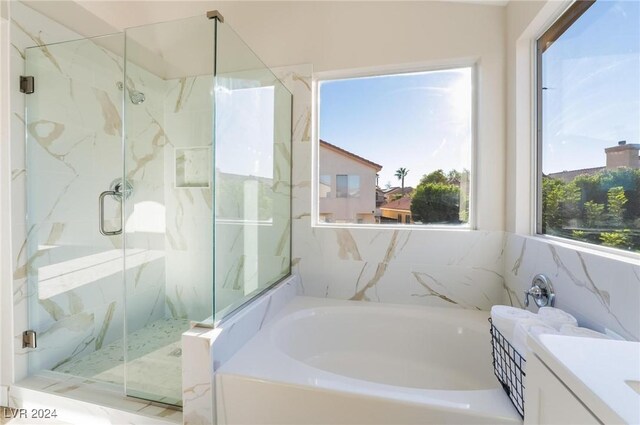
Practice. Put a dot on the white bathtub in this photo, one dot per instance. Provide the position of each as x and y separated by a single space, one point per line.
341 362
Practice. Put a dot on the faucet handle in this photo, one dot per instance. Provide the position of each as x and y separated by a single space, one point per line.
541 291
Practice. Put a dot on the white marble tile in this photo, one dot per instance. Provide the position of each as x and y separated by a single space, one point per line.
81 401
197 376
602 292
205 350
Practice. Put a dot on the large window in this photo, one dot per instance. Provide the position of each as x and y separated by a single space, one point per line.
589 125
397 148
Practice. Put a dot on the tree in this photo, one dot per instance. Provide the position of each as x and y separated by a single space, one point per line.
593 213
601 207
618 239
401 173
616 200
559 203
436 203
437 176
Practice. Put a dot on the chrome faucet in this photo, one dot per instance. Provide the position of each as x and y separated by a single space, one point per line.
541 291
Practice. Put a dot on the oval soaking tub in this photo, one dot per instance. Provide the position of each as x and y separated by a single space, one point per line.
345 362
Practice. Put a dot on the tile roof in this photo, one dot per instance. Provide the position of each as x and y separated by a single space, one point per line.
352 155
399 204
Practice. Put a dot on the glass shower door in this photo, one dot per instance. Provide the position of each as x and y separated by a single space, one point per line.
168 219
74 260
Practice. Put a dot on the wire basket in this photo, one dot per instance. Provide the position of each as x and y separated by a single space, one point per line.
508 366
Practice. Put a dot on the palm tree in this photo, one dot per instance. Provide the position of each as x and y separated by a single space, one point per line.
401 173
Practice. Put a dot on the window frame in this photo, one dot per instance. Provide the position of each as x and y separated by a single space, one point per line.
390 70
549 35
562 20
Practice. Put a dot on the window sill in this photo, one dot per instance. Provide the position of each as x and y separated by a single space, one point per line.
452 228
632 258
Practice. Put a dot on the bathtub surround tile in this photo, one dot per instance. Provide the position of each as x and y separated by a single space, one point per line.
206 350
394 266
197 376
462 286
601 292
239 328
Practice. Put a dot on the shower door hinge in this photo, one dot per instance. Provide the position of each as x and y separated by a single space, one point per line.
27 84
29 339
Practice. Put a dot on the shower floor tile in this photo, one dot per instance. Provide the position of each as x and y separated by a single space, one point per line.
153 370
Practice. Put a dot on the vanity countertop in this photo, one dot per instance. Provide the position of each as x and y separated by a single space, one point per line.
604 374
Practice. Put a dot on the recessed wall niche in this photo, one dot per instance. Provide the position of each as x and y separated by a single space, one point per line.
192 167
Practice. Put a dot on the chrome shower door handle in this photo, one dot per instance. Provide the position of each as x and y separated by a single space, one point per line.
101 213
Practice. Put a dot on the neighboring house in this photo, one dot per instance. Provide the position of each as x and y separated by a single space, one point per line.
380 198
398 211
347 187
622 155
394 193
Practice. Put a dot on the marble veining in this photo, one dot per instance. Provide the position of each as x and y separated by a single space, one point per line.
422 280
601 292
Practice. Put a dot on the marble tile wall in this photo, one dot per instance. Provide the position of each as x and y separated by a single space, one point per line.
189 215
600 290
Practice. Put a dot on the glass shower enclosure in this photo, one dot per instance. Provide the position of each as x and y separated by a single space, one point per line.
159 194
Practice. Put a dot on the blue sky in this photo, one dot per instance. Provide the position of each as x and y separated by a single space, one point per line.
419 121
422 121
592 75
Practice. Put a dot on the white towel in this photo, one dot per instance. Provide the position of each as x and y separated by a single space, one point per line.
525 327
556 318
570 330
504 318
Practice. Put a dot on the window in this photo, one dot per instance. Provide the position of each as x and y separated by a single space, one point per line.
588 94
342 186
399 146
347 186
